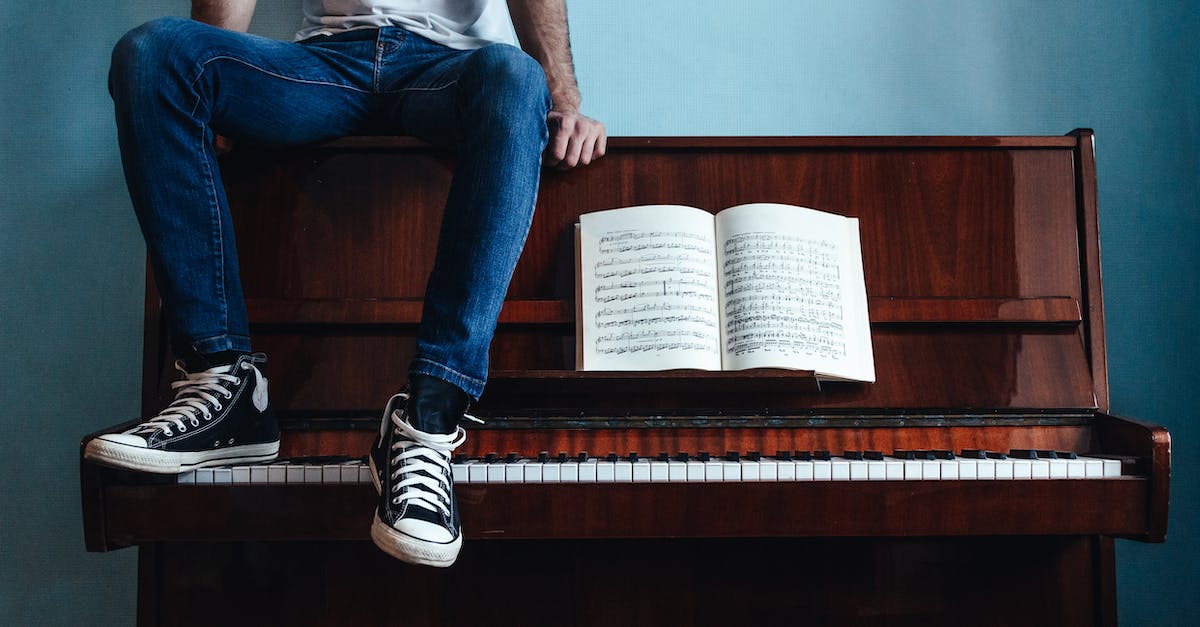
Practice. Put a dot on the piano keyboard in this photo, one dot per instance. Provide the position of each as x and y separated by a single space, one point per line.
969 465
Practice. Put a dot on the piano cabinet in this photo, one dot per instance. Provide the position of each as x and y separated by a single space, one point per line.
982 267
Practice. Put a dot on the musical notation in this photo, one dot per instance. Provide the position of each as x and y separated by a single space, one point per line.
783 293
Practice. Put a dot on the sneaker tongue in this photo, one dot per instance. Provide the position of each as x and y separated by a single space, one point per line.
198 362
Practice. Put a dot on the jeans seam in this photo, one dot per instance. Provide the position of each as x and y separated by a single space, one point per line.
291 79
450 370
425 89
215 215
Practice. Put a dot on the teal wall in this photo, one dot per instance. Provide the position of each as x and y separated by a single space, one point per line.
70 289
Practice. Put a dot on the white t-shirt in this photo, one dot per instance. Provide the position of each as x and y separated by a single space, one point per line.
459 24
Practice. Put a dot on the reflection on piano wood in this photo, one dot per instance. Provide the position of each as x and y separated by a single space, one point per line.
982 265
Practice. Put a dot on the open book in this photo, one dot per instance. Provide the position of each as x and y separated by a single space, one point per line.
755 286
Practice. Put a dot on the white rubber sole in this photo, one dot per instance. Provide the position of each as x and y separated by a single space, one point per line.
412 550
172 463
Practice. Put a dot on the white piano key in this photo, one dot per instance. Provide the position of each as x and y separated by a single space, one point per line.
495 472
713 471
1022 469
514 472
677 471
477 472
458 472
351 473
749 470
1093 468
731 471
534 472
839 470
365 476
241 475
660 472
913 470
1004 469
312 474
858 470
295 473
768 470
277 473
948 469
569 473
623 471
876 470
893 469
223 475
785 469
822 470
204 476
1075 469
985 469
606 472
552 472
187 477
807 471
587 471
968 469
642 470
1058 468
931 470
331 473
693 471
1112 468
258 475
1039 469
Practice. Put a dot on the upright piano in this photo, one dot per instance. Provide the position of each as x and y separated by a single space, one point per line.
981 479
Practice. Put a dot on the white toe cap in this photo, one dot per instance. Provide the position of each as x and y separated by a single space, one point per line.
127 439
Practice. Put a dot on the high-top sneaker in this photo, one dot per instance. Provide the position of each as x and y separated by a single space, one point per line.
417 518
220 416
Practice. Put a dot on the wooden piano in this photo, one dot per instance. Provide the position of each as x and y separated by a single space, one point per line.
983 274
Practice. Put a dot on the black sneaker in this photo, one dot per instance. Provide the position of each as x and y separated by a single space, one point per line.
220 416
417 518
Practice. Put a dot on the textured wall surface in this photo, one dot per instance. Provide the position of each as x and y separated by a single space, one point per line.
72 258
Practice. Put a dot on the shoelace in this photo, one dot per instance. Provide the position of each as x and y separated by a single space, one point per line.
197 395
422 464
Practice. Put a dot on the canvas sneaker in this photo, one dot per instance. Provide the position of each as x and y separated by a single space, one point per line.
220 416
417 518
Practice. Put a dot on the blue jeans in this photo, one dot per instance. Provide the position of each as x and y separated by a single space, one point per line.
176 82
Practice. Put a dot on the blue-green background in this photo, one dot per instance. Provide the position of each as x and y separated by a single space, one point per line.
71 258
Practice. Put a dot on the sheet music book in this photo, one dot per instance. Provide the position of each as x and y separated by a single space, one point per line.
755 286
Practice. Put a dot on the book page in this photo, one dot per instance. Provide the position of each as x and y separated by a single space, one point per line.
648 289
792 291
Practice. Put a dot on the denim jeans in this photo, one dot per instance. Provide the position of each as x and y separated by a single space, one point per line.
176 82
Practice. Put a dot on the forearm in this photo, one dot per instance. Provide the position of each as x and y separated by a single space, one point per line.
228 14
541 26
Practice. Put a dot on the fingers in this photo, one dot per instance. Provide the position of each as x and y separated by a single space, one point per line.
575 140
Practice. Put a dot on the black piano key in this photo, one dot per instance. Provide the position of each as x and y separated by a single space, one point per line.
904 454
664 457
875 456
943 454
490 458
460 459
804 456
633 456
732 456
1023 453
611 458
785 456
582 456
754 456
1046 454
973 453
996 455
853 455
682 457
562 458
704 456
923 455
1066 454
543 457
822 455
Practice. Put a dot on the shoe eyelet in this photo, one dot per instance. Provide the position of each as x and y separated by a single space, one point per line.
396 501
195 423
168 432
217 406
183 428
227 394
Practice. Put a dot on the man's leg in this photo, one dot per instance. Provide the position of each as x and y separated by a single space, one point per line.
174 83
491 105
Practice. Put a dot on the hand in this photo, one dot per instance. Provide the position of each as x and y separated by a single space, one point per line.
575 139
222 144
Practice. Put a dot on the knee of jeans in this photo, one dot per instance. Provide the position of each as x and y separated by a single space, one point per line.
145 52
514 79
